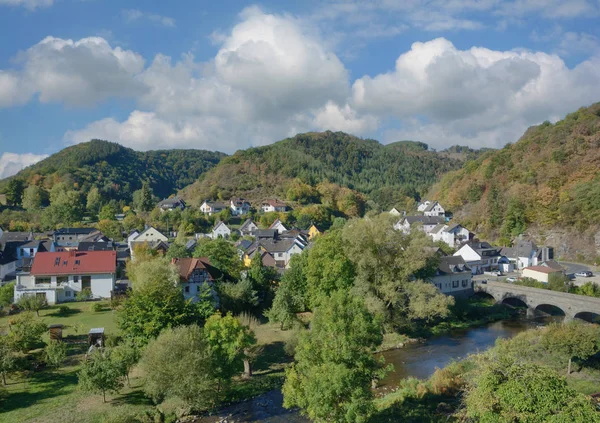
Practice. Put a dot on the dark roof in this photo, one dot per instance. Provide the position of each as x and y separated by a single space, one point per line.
243 244
215 204
425 220
431 206
171 202
75 231
16 236
553 265
239 202
95 246
191 244
74 263
277 246
485 249
452 264
266 233
454 226
274 203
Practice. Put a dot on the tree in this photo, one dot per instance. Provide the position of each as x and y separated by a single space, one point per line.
32 303
56 353
290 295
508 391
100 373
147 198
14 192
227 339
8 358
132 221
7 293
189 374
334 366
572 340
111 228
177 250
26 332
32 198
327 268
237 297
263 279
222 254
515 221
94 201
108 211
127 354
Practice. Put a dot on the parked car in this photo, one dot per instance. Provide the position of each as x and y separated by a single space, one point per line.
584 274
511 279
493 273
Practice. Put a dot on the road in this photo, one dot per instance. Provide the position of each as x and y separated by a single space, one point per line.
572 268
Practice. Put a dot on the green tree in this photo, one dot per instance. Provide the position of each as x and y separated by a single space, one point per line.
327 268
111 228
94 201
228 340
589 288
505 391
177 250
127 354
7 293
334 364
189 375
222 254
14 192
263 279
572 340
147 198
32 303
290 295
108 211
8 357
237 297
33 198
100 374
132 221
56 353
26 332
515 221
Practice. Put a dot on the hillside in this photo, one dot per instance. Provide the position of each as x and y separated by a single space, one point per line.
549 179
387 174
117 171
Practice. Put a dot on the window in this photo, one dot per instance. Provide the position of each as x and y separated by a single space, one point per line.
77 261
86 282
187 289
62 279
76 279
67 293
464 283
31 252
42 280
22 252
198 288
454 284
57 261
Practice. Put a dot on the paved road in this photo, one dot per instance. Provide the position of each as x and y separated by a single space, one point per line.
573 268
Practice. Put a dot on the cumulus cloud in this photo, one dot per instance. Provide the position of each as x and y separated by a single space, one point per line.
77 73
11 163
336 118
132 15
29 4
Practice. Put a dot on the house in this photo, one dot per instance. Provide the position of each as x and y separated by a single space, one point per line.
212 207
553 265
423 205
278 226
196 275
132 235
266 234
427 223
221 230
96 246
273 206
15 247
434 209
59 276
300 236
170 204
150 236
525 253
239 206
313 231
69 238
280 250
453 277
248 228
191 245
540 273
480 256
395 212
453 235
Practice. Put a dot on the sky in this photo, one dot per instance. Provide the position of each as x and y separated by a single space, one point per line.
226 75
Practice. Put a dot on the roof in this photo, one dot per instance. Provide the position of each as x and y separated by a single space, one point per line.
191 244
95 246
215 204
542 269
171 202
75 231
74 263
277 223
452 264
274 203
278 246
16 236
219 223
247 223
239 202
425 220
431 206
187 265
553 265
243 244
438 228
265 233
454 226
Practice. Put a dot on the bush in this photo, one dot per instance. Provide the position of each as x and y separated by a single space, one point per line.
56 353
84 295
64 310
97 307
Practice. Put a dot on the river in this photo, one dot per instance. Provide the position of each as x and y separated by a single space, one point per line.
419 360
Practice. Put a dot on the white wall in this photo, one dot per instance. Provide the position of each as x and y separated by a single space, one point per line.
101 286
445 282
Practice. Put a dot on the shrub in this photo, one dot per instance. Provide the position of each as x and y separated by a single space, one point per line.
55 353
84 295
64 310
97 307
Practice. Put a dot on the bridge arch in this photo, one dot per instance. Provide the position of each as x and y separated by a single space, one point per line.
550 309
588 316
482 295
515 302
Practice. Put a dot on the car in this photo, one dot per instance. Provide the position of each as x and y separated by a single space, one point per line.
493 273
584 274
511 279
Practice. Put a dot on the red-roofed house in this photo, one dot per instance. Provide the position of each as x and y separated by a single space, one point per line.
58 276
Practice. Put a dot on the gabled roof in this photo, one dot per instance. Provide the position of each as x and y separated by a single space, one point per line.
220 223
431 206
191 244
243 244
139 237
16 237
246 224
452 264
214 204
274 203
277 223
453 227
187 265
553 265
239 202
438 228
95 246
425 220
74 263
266 233
278 246
75 231
171 202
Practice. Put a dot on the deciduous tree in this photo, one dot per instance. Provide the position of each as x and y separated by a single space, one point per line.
100 373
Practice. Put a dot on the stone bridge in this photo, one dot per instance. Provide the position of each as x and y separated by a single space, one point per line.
541 300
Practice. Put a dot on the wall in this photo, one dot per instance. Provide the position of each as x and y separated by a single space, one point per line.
538 276
102 285
446 284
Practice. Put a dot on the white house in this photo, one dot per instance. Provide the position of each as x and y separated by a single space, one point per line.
480 256
150 236
278 226
453 277
16 248
453 235
434 209
59 276
427 223
212 207
273 206
281 250
423 205
196 275
221 230
248 228
525 253
69 238
395 212
540 273
171 204
239 206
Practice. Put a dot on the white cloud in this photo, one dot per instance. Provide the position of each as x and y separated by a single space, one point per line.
132 15
336 118
11 163
77 73
29 4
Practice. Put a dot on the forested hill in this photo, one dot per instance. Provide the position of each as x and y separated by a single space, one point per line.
550 178
117 171
387 174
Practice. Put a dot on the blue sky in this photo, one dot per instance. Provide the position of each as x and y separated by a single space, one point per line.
232 74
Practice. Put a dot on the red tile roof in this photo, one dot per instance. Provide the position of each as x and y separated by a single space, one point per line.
74 263
186 266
